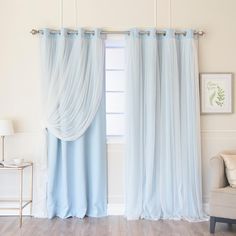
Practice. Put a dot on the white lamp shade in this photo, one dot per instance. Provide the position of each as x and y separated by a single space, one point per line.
6 127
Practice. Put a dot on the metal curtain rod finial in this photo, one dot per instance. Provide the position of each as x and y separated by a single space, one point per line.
35 31
201 33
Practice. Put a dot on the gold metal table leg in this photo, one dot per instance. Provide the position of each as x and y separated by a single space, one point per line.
31 190
19 200
21 195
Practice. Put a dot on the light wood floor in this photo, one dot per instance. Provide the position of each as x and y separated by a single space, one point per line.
112 225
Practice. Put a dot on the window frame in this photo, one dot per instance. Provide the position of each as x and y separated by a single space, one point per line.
115 44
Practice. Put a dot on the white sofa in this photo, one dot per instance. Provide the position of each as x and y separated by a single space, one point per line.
222 207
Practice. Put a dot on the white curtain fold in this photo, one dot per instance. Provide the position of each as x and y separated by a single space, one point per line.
163 127
72 81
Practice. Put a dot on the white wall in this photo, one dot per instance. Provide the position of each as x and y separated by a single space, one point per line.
20 71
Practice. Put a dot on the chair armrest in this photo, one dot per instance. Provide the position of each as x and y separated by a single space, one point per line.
217 173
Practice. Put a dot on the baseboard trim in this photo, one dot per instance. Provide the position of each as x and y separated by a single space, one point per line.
119 209
112 210
206 207
115 209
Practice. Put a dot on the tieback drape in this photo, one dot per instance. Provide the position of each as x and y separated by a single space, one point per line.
163 127
72 84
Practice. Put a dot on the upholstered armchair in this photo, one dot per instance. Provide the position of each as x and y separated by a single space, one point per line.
222 207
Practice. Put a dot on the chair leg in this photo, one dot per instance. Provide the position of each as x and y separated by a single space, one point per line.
230 226
212 224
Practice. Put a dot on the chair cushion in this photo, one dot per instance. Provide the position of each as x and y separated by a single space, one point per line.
223 202
230 164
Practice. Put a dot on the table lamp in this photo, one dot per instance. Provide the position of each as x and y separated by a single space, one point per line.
6 128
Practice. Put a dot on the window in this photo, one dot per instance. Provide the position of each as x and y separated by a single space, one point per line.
115 88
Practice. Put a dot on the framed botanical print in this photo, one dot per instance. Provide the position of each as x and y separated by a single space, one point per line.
216 92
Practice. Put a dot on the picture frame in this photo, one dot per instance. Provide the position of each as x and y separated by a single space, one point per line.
216 92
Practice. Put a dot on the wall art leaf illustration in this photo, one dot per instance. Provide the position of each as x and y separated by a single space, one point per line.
217 94
211 98
220 96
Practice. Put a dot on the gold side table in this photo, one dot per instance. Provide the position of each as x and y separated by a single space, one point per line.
22 203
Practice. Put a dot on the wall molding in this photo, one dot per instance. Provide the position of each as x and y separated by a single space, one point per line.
122 141
218 131
26 210
29 132
218 134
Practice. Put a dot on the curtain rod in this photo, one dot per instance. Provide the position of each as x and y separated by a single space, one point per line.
35 31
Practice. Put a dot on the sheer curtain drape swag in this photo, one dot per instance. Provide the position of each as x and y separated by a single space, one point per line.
163 127
72 84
